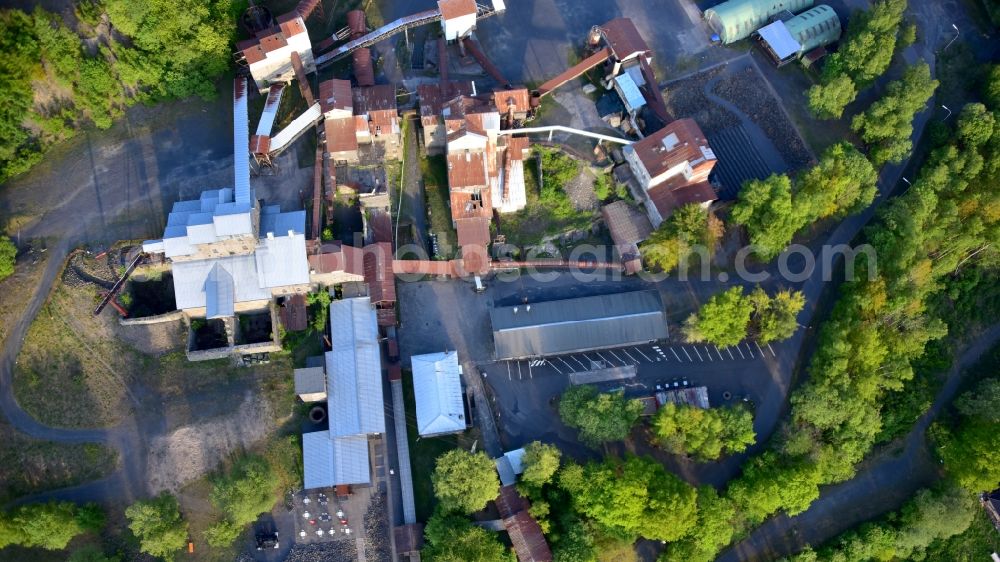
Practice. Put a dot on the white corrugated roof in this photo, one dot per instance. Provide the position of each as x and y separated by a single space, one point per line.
219 293
241 143
190 279
329 462
282 261
437 390
310 380
354 370
779 39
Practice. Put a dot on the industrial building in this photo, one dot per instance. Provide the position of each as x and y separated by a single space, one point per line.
355 404
437 391
671 167
580 324
786 41
738 19
269 54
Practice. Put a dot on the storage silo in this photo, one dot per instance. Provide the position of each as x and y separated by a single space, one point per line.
737 19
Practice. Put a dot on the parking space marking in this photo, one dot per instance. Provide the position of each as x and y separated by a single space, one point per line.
696 352
730 352
508 371
553 365
530 376
750 351
519 370
643 354
688 355
629 355
772 350
568 366
675 354
573 357
759 349
709 354
604 359
741 352
611 351
719 353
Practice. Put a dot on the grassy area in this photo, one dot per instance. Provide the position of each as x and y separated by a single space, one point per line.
72 371
549 210
435 173
16 290
30 465
424 451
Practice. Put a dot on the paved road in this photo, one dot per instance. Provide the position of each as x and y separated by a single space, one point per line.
882 484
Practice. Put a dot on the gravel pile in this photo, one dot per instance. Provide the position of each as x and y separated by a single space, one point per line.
581 191
377 546
336 551
748 91
686 98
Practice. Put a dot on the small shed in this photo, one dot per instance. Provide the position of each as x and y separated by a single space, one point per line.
785 41
310 384
510 466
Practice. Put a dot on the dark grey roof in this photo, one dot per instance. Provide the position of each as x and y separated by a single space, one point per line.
571 325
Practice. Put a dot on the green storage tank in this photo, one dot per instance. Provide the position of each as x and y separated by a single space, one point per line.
814 28
737 19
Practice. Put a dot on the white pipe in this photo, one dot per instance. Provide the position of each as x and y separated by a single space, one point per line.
562 129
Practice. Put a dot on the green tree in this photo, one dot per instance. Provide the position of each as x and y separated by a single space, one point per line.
451 538
991 87
765 208
908 35
242 494
975 124
158 525
573 543
715 525
600 416
43 525
886 126
828 100
464 481
983 402
541 461
633 498
703 434
8 255
723 320
769 484
866 50
774 319
842 183
689 230
965 448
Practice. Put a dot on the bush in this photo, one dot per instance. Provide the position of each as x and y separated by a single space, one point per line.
158 525
600 416
8 255
241 494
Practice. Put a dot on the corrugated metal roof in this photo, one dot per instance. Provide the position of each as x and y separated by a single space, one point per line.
281 261
241 138
667 198
340 136
336 95
629 92
331 462
627 224
437 390
527 539
572 325
466 169
505 471
275 222
308 118
814 28
270 110
623 38
310 380
190 279
354 370
451 9
377 263
780 41
473 231
736 19
219 293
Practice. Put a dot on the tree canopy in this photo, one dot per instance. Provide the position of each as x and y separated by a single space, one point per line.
158 525
8 255
600 416
633 498
541 461
722 320
703 433
48 525
241 494
689 230
452 538
765 208
967 448
774 318
715 525
844 182
464 481
886 126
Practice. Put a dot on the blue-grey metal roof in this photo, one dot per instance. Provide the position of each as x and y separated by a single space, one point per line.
354 370
219 293
282 261
330 462
191 281
572 325
437 392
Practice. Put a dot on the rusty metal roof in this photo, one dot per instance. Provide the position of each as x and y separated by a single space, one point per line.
510 502
260 144
623 38
340 135
519 98
378 272
474 231
678 142
335 94
527 539
338 257
291 24
451 9
273 42
466 169
374 98
361 65
293 313
667 199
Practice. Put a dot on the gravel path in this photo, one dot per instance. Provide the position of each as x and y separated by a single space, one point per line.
686 98
336 551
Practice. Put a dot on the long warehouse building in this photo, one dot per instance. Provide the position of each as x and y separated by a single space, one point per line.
576 325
